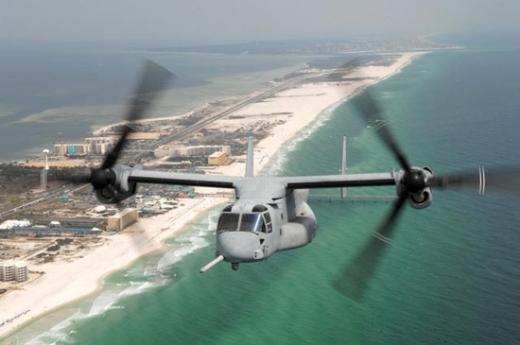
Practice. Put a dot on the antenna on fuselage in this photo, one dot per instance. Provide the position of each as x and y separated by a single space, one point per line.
250 172
344 165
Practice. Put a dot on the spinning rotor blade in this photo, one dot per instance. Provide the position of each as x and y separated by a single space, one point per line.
369 109
353 281
385 230
152 82
79 178
412 182
505 181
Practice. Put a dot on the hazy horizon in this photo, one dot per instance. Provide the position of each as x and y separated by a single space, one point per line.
203 22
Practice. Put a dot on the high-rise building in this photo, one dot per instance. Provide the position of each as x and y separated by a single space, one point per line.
20 271
11 270
7 270
121 220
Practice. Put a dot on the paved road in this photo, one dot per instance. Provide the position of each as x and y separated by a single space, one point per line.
47 197
199 125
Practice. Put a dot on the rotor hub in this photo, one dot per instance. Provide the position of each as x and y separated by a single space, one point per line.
100 178
414 181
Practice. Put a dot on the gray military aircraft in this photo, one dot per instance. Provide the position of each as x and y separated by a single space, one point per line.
272 214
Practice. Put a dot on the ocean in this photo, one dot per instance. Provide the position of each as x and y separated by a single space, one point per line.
450 276
55 93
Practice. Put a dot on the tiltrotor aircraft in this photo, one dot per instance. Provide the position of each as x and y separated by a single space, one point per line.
271 214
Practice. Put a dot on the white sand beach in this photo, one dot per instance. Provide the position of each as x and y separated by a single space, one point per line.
290 110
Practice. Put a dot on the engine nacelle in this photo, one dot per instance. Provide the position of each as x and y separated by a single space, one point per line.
421 200
297 233
121 188
111 195
424 198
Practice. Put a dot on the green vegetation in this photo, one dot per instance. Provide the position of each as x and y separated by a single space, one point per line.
54 248
49 258
64 241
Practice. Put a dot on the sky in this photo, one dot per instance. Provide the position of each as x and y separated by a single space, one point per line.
235 21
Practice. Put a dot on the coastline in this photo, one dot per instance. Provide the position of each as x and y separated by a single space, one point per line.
292 110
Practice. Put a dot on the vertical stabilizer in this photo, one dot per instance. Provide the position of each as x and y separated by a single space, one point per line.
344 165
250 172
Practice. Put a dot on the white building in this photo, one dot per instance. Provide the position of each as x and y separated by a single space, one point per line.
11 223
123 219
21 273
187 151
7 270
101 145
11 270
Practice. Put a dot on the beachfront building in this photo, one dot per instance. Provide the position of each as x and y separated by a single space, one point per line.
71 149
60 149
11 270
176 151
217 158
100 145
6 270
120 221
20 271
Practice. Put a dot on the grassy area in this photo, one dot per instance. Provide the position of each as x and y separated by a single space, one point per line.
12 201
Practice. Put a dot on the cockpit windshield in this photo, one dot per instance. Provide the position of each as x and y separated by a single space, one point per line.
242 222
228 222
252 222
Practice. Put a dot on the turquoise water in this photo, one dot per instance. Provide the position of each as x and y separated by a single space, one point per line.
451 275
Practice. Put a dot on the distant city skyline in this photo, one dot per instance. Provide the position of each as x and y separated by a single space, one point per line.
234 21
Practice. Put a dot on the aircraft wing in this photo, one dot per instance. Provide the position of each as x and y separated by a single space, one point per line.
186 179
330 181
291 182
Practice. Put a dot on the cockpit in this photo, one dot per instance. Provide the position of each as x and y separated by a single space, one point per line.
258 220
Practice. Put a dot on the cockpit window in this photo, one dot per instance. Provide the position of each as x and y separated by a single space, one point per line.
228 222
252 222
244 222
259 208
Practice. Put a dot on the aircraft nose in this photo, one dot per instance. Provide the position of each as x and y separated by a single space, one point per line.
239 246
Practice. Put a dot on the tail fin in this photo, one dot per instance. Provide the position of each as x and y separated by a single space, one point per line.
250 172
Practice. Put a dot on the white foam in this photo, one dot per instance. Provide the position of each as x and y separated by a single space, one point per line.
59 332
198 240
102 303
136 271
167 260
133 289
141 278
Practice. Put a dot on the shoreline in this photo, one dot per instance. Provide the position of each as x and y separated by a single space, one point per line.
85 276
291 110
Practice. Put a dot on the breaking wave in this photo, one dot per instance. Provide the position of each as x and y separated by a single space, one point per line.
145 274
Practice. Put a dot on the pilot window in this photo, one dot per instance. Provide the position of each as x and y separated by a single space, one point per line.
268 223
243 222
228 222
252 222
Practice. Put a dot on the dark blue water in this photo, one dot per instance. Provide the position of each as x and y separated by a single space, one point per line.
451 275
